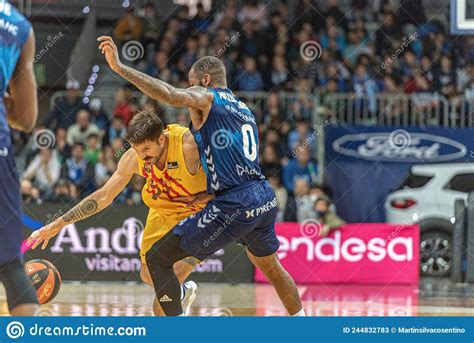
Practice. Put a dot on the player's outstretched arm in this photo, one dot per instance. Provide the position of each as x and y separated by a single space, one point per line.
193 97
91 205
22 103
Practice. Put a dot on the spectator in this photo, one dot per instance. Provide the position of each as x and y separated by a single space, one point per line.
388 32
279 74
270 160
301 134
328 219
44 171
153 106
160 68
65 108
82 129
129 27
300 167
151 26
309 11
64 192
254 11
424 98
29 194
303 107
123 104
355 47
336 13
189 56
79 171
280 192
133 192
299 204
98 115
444 75
365 88
92 148
118 147
272 137
105 166
250 78
117 130
200 21
61 146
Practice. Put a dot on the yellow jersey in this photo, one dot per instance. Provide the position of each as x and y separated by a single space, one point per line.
174 180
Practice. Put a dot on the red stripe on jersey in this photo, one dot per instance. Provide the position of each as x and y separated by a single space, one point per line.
169 178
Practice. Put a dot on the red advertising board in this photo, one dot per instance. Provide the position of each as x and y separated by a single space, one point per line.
355 253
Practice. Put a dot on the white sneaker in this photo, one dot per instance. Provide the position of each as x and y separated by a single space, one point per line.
190 293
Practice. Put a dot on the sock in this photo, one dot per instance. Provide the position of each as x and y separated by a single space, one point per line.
168 290
300 313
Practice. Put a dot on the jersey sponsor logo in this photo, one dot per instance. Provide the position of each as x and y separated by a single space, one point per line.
173 165
244 116
246 170
262 209
231 98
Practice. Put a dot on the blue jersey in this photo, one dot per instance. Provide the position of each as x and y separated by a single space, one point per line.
14 32
228 143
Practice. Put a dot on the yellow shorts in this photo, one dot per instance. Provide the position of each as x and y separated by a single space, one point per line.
157 225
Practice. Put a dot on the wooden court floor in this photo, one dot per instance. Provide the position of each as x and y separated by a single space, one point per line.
431 298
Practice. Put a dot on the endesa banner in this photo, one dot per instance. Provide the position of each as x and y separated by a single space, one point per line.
355 253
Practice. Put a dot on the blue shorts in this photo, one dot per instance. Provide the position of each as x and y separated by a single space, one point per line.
10 208
244 214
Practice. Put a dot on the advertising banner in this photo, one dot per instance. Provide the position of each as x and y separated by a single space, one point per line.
106 247
364 164
356 253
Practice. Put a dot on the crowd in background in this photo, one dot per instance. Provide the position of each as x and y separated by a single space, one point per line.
261 48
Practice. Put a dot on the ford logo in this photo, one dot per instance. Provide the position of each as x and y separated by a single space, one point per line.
405 147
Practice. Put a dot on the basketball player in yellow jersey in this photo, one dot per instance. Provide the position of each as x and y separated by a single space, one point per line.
175 189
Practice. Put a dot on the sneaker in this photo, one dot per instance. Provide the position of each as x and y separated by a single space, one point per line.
190 293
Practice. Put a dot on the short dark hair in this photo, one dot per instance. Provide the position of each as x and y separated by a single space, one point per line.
323 199
78 144
144 126
210 65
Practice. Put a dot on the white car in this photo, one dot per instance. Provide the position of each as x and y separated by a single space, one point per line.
427 197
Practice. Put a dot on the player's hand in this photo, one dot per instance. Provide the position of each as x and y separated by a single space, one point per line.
108 47
43 235
192 200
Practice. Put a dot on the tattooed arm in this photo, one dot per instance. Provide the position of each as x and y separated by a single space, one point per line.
91 205
197 98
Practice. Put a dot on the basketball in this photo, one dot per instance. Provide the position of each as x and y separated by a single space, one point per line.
45 278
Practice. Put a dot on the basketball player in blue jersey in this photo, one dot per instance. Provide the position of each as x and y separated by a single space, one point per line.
18 110
244 208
